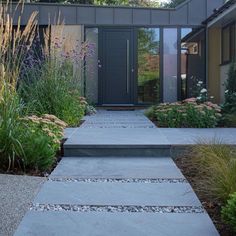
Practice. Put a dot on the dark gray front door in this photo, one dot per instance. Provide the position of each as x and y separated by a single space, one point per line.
116 61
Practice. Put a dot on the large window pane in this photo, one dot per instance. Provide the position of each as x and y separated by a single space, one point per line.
226 45
184 64
170 65
148 65
192 61
91 69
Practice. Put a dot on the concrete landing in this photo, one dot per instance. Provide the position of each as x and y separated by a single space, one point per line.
130 133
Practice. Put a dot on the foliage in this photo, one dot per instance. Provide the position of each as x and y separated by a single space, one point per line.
229 120
41 141
144 3
217 164
52 93
11 109
173 3
188 114
55 88
14 44
229 105
229 211
23 143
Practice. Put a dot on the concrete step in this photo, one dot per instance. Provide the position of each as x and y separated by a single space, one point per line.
73 150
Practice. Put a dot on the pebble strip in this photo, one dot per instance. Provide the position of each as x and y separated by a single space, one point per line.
121 126
117 180
113 209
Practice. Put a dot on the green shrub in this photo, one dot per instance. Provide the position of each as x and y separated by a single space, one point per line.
53 93
41 141
28 143
11 109
229 105
188 114
229 120
229 211
38 154
217 166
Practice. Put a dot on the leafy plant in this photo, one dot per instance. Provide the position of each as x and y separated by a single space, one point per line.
188 114
52 93
229 211
217 165
229 105
11 109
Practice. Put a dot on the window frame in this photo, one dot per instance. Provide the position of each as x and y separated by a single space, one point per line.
232 45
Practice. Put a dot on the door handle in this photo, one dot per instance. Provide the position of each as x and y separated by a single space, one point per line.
128 66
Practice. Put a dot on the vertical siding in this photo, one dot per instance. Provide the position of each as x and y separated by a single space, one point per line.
214 60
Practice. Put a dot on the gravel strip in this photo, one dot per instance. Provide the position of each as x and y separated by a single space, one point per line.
16 195
117 180
114 209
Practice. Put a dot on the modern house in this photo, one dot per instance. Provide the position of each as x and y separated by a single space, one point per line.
147 55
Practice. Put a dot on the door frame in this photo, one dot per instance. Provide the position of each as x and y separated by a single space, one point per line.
133 64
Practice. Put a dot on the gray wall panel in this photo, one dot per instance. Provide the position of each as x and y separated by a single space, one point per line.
191 12
68 14
211 5
28 10
141 17
180 16
160 17
197 11
123 16
104 15
49 13
86 15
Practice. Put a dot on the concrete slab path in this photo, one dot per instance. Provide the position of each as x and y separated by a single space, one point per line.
116 196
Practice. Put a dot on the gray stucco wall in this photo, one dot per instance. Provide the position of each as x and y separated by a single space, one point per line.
191 12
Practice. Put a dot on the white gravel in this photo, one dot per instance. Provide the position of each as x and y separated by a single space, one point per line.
16 194
114 209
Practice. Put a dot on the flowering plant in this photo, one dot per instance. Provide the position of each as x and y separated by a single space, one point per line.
187 114
48 125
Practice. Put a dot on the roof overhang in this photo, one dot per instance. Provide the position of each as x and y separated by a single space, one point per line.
224 18
190 13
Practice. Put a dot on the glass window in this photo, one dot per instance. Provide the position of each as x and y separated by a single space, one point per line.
185 32
148 65
170 65
192 61
226 44
91 68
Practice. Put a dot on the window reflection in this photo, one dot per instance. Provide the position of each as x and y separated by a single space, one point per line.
148 65
170 65
192 61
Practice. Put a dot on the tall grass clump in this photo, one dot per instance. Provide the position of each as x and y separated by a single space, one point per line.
26 143
14 42
55 88
217 166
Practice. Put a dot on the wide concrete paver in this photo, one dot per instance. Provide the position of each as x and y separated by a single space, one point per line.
138 194
117 167
118 195
110 224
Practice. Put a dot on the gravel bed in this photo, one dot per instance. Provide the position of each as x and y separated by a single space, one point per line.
16 195
114 209
117 180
